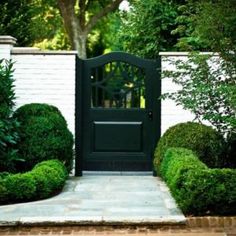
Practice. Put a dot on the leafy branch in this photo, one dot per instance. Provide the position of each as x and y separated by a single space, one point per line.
207 90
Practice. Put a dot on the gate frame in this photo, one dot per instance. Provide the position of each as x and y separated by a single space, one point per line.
79 65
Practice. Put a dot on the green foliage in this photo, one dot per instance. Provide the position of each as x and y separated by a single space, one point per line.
8 134
36 109
103 38
209 83
217 35
20 187
59 41
175 173
3 189
6 86
153 26
219 32
203 140
231 151
49 177
15 20
146 29
46 179
207 90
39 23
197 189
47 24
33 22
188 39
43 135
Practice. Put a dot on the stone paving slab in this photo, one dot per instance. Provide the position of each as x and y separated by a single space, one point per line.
100 199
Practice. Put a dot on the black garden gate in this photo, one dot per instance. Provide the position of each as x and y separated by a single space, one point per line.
117 112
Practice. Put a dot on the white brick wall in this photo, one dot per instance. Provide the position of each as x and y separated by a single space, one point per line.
46 78
5 51
170 113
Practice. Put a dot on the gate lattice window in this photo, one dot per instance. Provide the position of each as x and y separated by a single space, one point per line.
118 85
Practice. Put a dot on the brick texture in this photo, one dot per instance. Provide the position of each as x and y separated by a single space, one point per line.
46 78
202 226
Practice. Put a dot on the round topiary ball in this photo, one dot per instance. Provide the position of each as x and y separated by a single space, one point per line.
36 109
203 140
43 135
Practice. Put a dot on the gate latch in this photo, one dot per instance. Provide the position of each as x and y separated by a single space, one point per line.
150 115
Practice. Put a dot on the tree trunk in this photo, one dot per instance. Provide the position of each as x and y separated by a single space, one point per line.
75 24
80 45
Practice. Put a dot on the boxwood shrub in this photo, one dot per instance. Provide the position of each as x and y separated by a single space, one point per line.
35 109
43 135
199 190
44 180
203 140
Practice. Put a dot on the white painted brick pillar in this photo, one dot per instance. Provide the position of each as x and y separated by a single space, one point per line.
6 45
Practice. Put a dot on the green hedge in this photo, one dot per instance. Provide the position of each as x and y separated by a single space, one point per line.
203 140
199 190
43 135
45 179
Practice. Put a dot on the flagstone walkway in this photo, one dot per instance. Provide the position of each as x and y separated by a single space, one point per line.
100 199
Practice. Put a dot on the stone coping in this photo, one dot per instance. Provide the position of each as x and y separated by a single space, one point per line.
185 53
37 51
94 221
7 39
29 50
190 222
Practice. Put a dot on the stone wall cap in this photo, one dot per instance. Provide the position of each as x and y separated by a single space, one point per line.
7 39
38 51
185 53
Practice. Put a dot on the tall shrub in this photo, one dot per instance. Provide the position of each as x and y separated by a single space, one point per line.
43 135
8 124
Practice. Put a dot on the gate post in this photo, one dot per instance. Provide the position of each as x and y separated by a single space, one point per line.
6 45
78 117
158 118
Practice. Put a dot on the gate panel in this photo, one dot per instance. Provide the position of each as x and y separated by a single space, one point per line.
109 136
118 116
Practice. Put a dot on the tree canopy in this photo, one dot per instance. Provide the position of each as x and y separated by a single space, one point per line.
81 16
162 25
57 24
30 21
146 29
215 25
